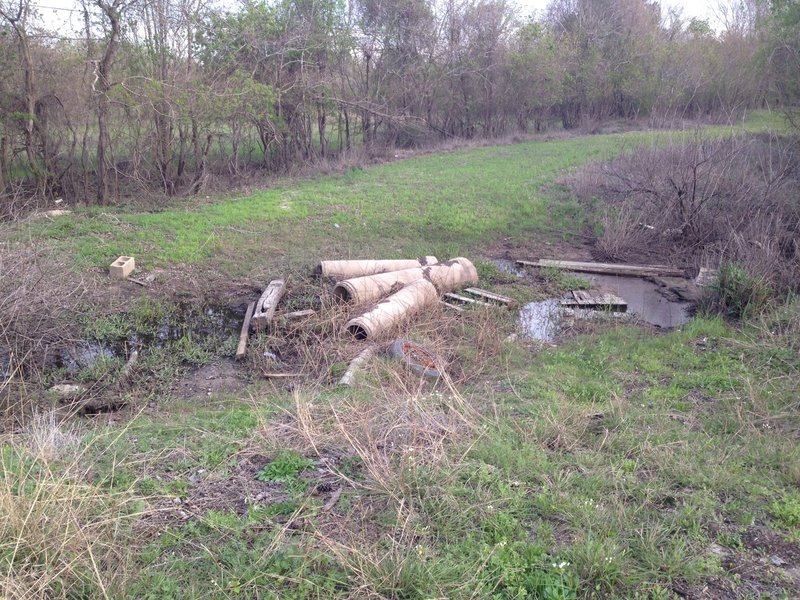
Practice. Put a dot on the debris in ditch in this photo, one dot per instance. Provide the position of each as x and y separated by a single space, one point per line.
347 269
607 268
493 297
596 300
299 314
452 307
138 282
271 356
349 377
122 267
446 277
268 304
393 310
333 499
419 359
465 300
705 276
280 375
128 368
66 392
241 349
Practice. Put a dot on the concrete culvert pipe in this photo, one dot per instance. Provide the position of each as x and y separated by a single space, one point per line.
371 288
394 310
446 277
346 269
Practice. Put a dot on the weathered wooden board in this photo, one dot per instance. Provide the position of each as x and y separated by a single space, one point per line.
268 304
596 299
349 377
300 314
451 306
241 349
487 295
465 300
607 268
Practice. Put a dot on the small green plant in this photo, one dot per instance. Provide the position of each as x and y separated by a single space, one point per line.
736 294
285 467
731 540
787 511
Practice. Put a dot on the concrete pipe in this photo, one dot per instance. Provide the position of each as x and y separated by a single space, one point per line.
394 310
347 269
447 277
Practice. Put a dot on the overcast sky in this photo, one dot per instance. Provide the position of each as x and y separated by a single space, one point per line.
62 16
690 8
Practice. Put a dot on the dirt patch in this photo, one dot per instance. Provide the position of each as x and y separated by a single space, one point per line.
773 545
531 249
219 377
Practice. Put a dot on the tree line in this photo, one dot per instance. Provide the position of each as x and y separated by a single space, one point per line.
166 96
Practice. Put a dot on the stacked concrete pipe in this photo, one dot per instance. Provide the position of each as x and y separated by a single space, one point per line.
401 293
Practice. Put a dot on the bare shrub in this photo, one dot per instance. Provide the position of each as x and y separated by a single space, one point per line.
702 202
36 306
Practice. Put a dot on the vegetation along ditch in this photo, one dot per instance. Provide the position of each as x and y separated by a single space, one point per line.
590 392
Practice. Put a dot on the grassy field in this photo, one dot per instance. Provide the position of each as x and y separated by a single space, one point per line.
621 462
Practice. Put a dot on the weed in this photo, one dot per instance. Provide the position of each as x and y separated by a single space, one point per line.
787 511
736 294
285 467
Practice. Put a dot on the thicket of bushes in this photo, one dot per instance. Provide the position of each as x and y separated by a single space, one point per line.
732 203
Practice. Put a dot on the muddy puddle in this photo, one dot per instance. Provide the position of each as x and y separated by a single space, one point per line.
198 323
545 319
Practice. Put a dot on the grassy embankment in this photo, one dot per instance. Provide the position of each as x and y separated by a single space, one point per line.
621 463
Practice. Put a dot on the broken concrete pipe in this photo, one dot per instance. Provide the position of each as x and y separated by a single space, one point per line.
346 269
446 277
393 310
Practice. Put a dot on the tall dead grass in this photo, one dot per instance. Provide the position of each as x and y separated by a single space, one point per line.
61 536
395 430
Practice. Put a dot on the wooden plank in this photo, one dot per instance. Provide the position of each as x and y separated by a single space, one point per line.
299 314
268 304
280 375
241 349
491 296
451 306
465 300
138 282
595 299
607 268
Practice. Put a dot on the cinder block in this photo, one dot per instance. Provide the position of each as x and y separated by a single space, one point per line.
122 267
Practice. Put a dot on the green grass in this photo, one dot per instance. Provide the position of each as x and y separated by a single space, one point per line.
447 204
607 466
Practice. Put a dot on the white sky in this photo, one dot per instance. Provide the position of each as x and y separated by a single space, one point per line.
62 16
703 9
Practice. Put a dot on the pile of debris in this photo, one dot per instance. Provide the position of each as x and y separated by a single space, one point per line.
383 294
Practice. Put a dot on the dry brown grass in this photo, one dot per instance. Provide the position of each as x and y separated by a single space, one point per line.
36 301
702 202
60 535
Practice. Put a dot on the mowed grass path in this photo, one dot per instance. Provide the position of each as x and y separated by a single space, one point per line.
447 204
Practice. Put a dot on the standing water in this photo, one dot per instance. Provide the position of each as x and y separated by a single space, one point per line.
542 320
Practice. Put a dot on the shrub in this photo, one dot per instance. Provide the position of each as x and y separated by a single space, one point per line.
736 294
